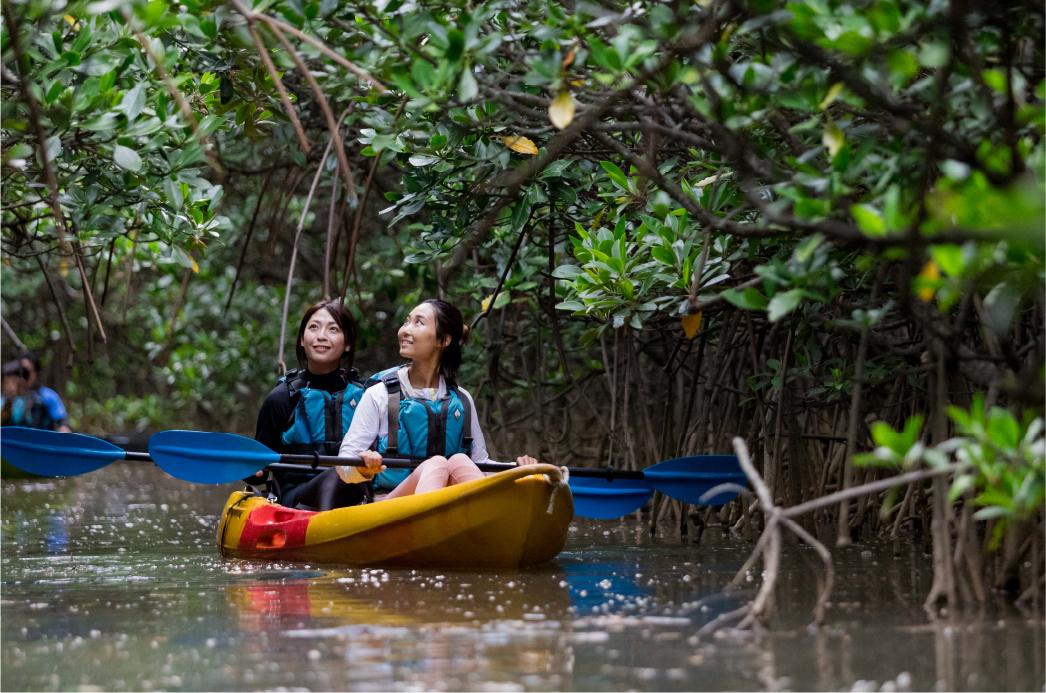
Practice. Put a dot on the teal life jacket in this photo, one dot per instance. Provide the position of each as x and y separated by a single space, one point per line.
320 419
421 428
27 410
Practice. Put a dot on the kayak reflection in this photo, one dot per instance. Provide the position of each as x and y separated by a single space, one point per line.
401 598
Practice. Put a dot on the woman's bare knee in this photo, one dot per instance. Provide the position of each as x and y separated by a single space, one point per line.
459 458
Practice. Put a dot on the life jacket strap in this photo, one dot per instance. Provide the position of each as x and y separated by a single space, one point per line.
334 419
392 386
466 425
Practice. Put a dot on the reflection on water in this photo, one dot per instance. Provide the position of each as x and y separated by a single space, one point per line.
112 582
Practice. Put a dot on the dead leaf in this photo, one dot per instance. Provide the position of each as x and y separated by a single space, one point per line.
561 110
520 144
692 324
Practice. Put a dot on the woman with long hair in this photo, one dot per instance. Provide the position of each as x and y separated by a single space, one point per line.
418 410
310 409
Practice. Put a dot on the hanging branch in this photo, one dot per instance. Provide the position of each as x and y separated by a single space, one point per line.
165 353
57 304
277 25
285 98
350 254
247 239
843 534
294 257
508 268
334 126
12 336
328 249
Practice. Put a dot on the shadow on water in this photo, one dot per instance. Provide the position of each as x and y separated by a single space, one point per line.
112 582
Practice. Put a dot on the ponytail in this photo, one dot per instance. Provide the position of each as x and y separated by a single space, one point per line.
449 323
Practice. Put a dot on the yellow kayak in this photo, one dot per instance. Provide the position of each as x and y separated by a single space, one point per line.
512 519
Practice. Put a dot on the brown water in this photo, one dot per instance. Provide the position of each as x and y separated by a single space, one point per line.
111 581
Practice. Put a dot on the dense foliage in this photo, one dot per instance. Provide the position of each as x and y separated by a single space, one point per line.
679 222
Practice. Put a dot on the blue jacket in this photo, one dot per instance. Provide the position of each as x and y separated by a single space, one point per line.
320 419
421 428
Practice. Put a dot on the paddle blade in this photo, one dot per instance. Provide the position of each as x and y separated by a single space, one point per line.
689 478
604 499
209 458
49 453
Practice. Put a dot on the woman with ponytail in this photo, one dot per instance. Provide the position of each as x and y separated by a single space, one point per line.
418 410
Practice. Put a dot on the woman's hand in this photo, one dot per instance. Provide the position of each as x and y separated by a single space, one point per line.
373 462
525 459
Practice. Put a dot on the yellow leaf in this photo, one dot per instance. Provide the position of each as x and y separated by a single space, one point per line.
63 267
485 303
833 93
561 110
72 21
692 324
577 82
927 278
833 139
518 143
195 267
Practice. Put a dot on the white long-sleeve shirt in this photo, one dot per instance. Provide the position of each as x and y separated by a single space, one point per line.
371 421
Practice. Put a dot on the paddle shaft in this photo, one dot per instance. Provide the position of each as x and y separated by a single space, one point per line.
313 461
302 463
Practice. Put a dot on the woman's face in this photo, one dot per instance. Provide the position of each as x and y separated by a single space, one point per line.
324 342
417 335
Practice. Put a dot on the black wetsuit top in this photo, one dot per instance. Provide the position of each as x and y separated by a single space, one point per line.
303 489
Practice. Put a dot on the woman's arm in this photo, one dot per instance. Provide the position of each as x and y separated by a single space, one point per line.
479 443
367 424
273 418
479 452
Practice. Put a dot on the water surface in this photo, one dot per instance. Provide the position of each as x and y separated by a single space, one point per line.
112 581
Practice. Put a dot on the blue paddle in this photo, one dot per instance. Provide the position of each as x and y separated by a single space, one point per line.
600 493
218 458
49 453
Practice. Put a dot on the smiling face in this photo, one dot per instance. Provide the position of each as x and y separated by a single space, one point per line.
323 342
417 335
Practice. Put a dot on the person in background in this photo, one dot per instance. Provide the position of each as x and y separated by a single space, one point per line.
20 405
419 411
50 398
310 409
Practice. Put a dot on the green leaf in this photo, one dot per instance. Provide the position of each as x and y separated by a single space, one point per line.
616 174
992 513
570 305
664 255
127 158
1000 305
962 484
749 298
567 272
455 45
784 303
949 258
467 87
133 101
868 220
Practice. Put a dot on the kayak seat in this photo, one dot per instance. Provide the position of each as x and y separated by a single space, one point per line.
275 527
